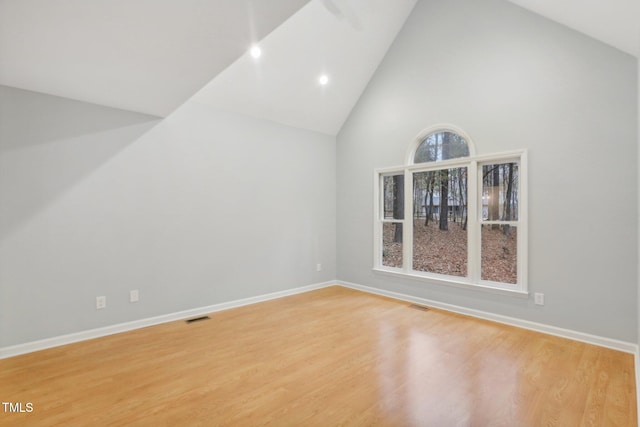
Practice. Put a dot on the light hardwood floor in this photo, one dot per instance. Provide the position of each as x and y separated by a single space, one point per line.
329 357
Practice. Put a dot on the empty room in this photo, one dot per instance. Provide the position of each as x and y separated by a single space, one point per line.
319 213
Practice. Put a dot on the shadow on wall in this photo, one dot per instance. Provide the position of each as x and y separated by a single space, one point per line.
48 144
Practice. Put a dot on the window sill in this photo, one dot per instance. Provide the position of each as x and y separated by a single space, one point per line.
455 283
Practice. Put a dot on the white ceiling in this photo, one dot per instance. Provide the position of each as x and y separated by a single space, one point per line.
152 55
141 55
614 22
344 39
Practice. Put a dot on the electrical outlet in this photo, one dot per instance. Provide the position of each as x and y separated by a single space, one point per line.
101 302
539 298
318 267
134 296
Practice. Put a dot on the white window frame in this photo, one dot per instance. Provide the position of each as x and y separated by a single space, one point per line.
473 164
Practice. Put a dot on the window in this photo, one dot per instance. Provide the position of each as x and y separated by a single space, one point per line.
499 223
451 217
391 223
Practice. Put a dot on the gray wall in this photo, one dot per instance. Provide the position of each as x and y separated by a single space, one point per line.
199 208
511 80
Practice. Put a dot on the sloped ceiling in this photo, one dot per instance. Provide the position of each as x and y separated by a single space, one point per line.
343 39
614 22
150 56
147 56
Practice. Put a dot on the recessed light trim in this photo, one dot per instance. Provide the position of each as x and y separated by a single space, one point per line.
324 79
255 52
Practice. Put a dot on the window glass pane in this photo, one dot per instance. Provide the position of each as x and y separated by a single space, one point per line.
393 191
392 244
500 192
499 253
440 221
441 146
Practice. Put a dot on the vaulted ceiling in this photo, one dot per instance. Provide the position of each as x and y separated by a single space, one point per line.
147 56
614 22
151 56
344 40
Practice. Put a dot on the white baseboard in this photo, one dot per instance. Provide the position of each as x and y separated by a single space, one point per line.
142 323
623 346
30 347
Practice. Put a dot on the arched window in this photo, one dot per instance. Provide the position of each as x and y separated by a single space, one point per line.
451 217
441 145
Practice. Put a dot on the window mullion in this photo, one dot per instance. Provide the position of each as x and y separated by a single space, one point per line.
523 212
407 229
473 228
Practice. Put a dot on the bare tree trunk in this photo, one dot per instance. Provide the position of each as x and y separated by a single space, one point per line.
494 197
507 197
417 211
463 199
444 186
444 200
430 188
426 207
398 205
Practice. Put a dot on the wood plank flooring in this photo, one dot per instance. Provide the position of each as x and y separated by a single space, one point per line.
325 358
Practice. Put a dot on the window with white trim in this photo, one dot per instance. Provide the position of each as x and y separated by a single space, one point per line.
450 217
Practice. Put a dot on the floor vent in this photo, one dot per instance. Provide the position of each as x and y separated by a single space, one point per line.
197 319
419 307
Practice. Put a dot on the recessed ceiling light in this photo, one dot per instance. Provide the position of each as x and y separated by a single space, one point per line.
324 79
255 52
